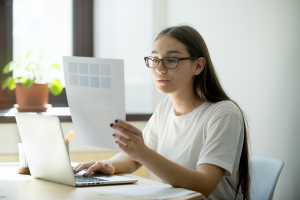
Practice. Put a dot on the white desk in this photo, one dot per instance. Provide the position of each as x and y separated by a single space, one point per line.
14 186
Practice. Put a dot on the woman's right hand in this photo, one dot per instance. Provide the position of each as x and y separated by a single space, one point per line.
104 166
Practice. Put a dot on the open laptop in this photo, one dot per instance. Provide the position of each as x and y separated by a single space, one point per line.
47 155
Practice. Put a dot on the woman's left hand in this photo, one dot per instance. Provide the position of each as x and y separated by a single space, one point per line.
134 146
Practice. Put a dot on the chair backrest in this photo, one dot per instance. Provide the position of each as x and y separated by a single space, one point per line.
264 175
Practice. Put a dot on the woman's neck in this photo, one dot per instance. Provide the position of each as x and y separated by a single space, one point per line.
185 102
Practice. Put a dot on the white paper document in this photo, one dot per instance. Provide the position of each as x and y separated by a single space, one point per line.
96 97
152 192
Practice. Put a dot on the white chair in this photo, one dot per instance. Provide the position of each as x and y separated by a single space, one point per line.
264 175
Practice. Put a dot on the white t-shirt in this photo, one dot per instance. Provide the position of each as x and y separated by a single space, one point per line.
213 133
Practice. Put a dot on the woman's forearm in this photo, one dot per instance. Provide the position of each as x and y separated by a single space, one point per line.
123 164
171 172
179 176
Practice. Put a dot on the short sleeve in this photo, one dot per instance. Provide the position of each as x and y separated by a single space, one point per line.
150 132
223 132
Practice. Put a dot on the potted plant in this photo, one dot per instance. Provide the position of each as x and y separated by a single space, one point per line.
32 78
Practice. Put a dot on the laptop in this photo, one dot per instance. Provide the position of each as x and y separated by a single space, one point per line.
47 155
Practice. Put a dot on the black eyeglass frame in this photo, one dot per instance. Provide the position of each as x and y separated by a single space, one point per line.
162 60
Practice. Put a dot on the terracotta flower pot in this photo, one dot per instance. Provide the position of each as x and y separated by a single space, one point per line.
32 99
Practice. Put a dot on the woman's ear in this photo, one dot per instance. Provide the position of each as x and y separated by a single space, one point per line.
199 66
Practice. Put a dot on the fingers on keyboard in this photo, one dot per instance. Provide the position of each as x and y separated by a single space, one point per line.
91 169
82 167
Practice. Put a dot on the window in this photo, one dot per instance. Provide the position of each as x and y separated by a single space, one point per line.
76 39
43 27
56 25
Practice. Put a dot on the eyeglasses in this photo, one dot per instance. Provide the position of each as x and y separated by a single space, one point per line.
169 63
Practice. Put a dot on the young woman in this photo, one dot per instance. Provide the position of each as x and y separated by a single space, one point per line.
197 137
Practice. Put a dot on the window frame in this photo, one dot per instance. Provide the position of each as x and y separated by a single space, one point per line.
7 97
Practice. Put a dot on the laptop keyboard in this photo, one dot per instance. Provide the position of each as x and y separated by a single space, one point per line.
80 179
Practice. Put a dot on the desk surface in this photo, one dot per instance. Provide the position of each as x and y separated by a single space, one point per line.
14 186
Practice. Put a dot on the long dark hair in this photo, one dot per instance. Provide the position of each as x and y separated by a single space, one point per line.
208 88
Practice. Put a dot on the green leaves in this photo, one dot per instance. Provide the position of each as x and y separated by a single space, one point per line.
7 69
28 83
27 55
12 84
55 87
55 66
32 68
9 82
5 82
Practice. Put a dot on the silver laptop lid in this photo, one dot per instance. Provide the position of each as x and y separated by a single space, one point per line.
45 148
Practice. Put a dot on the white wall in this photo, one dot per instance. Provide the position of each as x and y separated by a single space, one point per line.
254 46
159 18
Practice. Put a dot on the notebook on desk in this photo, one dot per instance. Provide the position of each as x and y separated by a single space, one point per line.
47 154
